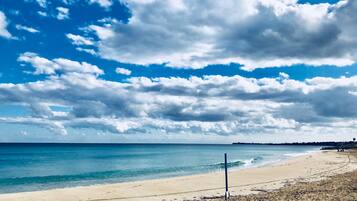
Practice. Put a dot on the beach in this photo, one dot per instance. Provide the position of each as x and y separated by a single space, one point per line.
338 187
304 168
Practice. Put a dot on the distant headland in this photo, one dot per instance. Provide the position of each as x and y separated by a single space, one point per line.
325 145
292 143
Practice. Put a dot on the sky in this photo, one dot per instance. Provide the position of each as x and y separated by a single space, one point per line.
178 71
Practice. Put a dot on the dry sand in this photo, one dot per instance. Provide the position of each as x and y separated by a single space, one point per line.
311 167
341 187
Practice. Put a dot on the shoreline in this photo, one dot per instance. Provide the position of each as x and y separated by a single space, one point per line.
247 164
309 167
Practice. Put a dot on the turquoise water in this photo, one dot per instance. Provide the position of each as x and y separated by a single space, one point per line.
28 167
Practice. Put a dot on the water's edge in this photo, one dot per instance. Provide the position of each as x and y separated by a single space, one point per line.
151 172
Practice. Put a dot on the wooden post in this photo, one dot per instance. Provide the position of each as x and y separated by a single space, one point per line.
226 194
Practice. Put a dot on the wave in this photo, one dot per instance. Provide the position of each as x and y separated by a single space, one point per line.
238 163
300 153
252 160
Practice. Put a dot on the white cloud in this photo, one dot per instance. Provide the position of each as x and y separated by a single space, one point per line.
102 3
50 67
69 2
123 71
82 43
108 21
254 33
55 127
26 28
102 32
63 13
42 3
211 105
283 75
3 25
42 65
353 93
42 13
86 50
74 66
79 40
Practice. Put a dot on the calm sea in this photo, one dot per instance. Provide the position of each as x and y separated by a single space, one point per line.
28 167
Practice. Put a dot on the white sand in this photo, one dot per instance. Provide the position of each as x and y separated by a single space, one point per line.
309 167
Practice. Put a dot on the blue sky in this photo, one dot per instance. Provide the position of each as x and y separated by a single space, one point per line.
177 71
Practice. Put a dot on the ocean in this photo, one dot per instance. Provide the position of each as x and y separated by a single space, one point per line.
30 167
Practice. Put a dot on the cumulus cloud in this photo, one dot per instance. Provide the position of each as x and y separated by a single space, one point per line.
26 28
253 33
50 67
216 105
53 126
123 71
103 32
63 13
3 26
